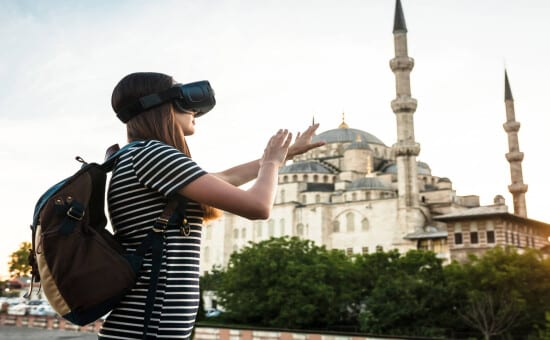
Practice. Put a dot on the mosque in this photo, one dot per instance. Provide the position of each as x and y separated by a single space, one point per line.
360 195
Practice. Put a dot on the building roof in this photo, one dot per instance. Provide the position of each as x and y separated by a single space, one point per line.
305 167
421 169
428 232
343 135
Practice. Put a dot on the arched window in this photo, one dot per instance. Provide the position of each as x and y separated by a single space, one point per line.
306 178
285 179
243 233
350 222
295 178
325 178
315 178
235 233
365 224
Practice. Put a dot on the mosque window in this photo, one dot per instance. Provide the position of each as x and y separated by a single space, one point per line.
349 251
243 233
365 224
315 178
512 238
304 200
474 237
295 178
285 179
325 178
282 196
317 198
305 178
354 196
527 241
235 233
506 236
490 236
206 254
350 222
365 250
379 249
282 226
336 226
458 238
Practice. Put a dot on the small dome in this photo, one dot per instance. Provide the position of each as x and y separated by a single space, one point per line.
421 169
358 146
305 167
444 180
368 183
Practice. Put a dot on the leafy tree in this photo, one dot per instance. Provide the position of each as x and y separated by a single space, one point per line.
286 282
509 288
408 296
18 264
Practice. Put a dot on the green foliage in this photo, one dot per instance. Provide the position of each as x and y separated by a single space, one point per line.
19 260
291 283
408 292
288 283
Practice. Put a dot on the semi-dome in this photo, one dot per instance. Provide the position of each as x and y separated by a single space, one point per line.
368 183
305 167
343 135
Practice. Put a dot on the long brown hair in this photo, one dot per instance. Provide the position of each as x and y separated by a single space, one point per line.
158 123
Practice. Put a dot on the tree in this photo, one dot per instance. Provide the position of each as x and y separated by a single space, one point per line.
19 260
286 282
408 296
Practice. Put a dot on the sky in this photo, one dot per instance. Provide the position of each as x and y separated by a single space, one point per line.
273 64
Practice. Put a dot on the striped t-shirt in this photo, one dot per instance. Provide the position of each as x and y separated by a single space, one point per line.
145 175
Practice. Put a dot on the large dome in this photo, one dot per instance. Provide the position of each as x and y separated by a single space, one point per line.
343 135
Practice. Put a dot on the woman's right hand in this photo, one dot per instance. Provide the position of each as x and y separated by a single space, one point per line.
277 148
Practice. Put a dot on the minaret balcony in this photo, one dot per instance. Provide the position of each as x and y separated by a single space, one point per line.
403 104
402 149
517 188
514 156
511 126
402 64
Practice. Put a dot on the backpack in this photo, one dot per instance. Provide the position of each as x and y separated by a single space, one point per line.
82 268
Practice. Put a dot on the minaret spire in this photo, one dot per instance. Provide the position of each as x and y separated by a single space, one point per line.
406 149
514 155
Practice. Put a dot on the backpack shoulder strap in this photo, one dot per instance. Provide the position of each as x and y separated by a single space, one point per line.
114 151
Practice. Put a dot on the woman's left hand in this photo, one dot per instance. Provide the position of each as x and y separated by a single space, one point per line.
303 142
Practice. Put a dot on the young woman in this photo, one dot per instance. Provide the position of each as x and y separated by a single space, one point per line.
158 170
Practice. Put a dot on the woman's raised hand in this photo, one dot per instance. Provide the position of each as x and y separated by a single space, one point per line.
277 148
303 142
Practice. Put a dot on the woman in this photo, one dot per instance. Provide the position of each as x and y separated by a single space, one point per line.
154 172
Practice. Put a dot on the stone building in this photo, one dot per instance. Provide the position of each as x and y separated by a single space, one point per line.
360 195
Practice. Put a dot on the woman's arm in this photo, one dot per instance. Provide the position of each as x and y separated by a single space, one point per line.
254 203
246 172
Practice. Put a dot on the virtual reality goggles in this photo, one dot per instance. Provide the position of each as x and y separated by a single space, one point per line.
197 97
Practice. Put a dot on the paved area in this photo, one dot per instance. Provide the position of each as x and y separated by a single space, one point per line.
24 333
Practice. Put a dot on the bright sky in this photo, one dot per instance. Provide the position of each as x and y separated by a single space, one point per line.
272 64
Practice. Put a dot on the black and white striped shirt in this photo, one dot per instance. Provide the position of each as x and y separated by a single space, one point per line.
143 179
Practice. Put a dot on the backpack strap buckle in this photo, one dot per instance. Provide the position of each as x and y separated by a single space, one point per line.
76 212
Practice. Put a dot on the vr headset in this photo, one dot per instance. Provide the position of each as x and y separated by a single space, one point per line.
197 97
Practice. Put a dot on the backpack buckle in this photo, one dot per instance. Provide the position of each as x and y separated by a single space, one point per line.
76 213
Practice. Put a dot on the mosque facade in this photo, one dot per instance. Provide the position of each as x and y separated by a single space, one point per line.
359 195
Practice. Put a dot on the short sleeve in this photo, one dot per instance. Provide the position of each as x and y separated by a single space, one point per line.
164 168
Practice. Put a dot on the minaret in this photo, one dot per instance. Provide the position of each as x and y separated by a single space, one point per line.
406 149
514 156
